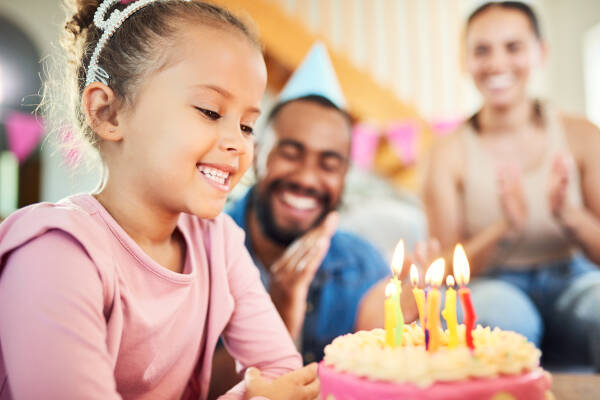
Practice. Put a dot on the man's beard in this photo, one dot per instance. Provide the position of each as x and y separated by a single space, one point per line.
261 203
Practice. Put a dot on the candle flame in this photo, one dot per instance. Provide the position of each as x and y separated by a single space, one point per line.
414 275
390 289
450 281
435 272
398 258
462 271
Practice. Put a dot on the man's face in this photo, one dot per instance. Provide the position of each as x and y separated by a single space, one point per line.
305 170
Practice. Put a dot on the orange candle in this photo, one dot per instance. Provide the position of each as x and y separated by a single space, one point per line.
434 275
462 274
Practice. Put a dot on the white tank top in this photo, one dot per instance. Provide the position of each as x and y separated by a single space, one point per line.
543 239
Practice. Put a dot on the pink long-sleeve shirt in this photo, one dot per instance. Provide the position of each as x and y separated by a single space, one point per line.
86 314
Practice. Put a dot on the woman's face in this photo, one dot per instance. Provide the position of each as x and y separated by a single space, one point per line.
502 50
188 139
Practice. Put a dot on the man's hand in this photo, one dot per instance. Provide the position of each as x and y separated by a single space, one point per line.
301 384
292 273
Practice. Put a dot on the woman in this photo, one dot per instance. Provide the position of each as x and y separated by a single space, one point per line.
516 184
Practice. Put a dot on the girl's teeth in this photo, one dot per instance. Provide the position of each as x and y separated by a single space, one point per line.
214 174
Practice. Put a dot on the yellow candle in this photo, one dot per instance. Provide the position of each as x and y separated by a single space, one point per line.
390 315
434 275
397 262
449 312
419 294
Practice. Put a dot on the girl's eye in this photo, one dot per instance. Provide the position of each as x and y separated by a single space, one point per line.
209 114
247 129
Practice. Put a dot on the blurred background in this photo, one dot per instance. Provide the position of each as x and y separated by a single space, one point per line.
398 61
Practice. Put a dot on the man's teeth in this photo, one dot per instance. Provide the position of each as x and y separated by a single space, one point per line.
299 202
215 174
500 81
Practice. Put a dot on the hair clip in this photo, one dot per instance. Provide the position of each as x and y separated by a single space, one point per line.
95 73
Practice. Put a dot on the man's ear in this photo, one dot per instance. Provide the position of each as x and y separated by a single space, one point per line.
100 106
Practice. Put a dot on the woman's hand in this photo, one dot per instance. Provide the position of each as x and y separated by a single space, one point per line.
301 384
512 198
558 183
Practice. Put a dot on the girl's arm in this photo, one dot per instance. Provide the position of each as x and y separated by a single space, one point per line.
255 335
52 327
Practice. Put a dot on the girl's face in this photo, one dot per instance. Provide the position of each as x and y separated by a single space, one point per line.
502 51
188 139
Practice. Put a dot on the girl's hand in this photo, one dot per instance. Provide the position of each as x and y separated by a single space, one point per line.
301 384
512 198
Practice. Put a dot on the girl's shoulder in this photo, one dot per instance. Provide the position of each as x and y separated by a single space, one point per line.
73 216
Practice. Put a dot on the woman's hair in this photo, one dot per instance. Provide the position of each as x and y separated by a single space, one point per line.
509 5
133 51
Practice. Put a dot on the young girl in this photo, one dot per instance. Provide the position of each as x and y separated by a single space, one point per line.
124 293
504 185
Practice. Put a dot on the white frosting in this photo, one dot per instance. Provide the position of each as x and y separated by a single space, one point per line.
496 352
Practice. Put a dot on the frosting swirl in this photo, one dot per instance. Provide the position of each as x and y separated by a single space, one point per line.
496 353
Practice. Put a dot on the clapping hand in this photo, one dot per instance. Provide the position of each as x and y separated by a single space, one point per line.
292 274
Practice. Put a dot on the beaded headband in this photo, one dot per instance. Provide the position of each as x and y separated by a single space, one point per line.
109 25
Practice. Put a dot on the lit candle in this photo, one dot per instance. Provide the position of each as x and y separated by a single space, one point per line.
418 293
397 261
462 274
434 275
390 315
449 312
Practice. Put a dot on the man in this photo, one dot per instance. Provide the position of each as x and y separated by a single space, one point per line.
317 276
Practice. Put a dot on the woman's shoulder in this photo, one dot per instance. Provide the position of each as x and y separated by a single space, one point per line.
583 136
578 125
447 153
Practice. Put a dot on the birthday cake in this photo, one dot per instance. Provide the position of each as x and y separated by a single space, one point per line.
503 365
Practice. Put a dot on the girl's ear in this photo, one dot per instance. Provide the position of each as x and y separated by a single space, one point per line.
100 106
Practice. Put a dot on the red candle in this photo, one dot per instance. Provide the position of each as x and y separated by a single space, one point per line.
462 274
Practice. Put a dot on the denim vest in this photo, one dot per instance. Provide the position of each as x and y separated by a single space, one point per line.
350 268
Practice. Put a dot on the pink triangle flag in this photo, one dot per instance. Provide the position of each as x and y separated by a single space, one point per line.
24 132
365 139
403 138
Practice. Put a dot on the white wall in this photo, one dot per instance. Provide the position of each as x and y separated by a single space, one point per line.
41 19
413 46
565 23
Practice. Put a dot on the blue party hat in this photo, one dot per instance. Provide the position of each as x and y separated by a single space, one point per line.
314 76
